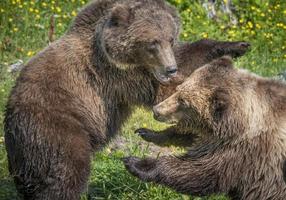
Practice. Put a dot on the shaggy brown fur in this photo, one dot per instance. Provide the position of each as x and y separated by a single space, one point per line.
72 97
243 119
190 56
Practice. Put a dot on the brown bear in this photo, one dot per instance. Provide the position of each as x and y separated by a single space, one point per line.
73 97
241 121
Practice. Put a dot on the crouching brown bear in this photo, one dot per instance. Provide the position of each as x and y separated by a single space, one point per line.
74 96
240 119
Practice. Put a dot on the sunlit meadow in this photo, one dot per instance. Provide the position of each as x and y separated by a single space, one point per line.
25 30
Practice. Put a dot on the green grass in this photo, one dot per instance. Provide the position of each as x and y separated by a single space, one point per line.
24 29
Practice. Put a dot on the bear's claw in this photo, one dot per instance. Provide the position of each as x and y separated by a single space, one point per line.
244 44
140 131
145 134
129 163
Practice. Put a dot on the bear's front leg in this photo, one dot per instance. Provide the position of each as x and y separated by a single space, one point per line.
167 137
184 175
144 169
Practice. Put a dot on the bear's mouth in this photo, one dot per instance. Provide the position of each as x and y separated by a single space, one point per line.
170 121
164 77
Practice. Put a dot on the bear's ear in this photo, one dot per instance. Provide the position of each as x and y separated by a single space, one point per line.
220 102
120 15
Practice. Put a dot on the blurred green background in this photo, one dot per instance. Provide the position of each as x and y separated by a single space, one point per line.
24 30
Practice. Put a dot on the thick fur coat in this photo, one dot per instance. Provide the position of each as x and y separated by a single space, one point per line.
240 119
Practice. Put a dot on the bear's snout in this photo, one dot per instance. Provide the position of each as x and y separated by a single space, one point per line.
156 113
171 70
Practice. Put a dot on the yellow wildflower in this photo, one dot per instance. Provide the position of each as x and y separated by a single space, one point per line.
58 9
73 13
250 25
44 4
258 26
231 33
30 53
277 6
205 35
15 29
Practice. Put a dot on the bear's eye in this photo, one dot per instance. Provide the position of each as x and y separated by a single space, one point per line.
172 41
153 46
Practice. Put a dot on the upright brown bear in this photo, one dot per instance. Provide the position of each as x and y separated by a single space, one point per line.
72 97
241 121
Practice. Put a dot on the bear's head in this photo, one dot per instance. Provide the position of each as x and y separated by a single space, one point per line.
218 99
142 35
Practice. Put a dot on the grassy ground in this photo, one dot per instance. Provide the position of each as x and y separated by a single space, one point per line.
24 31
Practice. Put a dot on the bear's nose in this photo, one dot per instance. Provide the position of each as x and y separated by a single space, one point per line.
171 70
156 113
